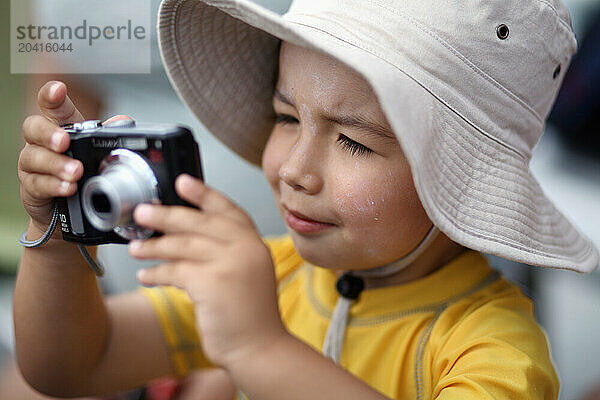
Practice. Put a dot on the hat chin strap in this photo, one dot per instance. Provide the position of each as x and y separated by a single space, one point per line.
349 287
398 265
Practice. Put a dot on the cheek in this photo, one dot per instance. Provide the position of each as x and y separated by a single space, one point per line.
274 155
381 212
365 195
366 201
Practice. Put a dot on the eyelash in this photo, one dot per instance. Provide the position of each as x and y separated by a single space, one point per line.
285 119
355 148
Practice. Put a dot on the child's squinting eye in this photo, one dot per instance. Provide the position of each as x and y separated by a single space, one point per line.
285 119
353 147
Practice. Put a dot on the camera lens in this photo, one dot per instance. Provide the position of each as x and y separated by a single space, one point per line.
101 203
125 180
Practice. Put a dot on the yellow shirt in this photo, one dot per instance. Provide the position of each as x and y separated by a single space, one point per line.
461 332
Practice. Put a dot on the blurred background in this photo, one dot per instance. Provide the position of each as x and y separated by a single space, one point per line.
566 162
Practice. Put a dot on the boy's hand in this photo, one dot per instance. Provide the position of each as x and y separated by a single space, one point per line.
218 257
43 171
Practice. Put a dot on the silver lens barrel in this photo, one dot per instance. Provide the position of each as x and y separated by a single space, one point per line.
125 180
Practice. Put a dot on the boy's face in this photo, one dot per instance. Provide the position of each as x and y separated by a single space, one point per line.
332 158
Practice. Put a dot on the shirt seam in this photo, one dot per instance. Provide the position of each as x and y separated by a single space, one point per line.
181 346
436 308
321 309
423 340
287 280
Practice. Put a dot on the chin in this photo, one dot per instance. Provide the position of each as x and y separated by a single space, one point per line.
322 253
309 248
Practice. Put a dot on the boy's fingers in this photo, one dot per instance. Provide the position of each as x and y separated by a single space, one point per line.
38 130
56 105
169 274
180 219
46 186
36 159
168 219
173 247
195 192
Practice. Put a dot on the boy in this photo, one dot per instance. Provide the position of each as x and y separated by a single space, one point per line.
392 120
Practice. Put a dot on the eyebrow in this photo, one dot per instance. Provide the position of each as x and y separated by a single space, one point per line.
354 121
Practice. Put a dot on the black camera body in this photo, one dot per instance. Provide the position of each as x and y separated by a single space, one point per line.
124 164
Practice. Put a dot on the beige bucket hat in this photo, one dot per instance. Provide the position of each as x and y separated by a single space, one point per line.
466 85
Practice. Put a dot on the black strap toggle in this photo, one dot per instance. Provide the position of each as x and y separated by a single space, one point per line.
350 286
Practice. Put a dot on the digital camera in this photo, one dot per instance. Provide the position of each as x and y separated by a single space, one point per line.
124 164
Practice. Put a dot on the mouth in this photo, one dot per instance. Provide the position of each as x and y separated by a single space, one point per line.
304 224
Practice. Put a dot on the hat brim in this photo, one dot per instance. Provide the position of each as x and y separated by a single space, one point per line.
222 60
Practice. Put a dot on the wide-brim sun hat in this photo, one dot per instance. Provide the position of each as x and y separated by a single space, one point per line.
466 87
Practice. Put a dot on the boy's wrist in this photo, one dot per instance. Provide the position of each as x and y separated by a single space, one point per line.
257 370
288 364
56 249
36 230
268 350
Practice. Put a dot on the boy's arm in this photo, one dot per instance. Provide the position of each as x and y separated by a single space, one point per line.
69 342
290 369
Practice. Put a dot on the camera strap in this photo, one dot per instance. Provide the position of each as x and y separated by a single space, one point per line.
95 265
45 237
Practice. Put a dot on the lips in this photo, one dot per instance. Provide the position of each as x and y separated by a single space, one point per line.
304 224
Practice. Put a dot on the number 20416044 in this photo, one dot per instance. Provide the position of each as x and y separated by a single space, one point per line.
45 47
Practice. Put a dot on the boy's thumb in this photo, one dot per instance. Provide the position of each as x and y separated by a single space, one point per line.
56 105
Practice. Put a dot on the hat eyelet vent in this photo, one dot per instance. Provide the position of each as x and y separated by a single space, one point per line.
556 72
502 31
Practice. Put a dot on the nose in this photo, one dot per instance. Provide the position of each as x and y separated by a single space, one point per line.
301 169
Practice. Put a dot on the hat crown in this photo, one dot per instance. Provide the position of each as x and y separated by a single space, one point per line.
521 47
